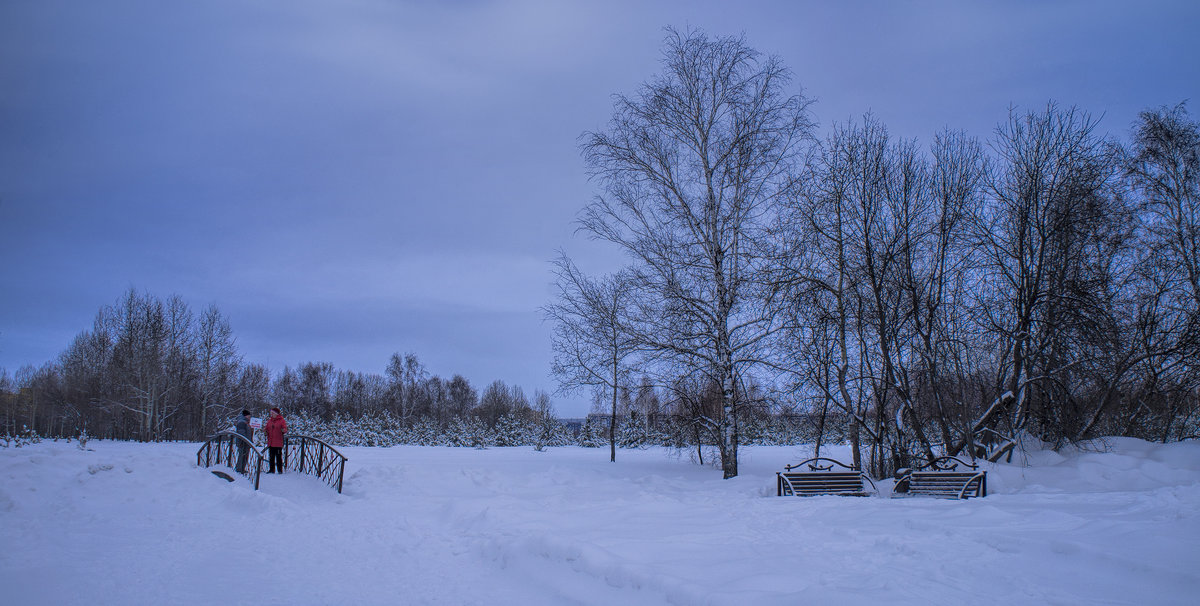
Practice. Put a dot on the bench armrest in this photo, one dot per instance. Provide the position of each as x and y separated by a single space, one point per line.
981 491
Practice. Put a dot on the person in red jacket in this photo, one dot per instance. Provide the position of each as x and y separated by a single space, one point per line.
275 429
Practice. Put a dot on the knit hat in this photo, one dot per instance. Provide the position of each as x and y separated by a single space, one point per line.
276 411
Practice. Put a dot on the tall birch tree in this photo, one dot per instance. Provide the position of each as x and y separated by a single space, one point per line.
692 171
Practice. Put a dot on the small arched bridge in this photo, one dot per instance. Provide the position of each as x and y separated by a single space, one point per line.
301 454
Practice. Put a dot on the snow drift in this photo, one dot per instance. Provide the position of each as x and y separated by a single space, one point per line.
125 523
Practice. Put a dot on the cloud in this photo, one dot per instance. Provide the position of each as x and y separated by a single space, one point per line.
434 51
482 281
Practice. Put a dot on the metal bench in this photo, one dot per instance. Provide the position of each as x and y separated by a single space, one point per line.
941 478
812 478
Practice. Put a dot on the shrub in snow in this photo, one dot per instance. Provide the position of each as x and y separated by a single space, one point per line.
23 438
513 430
424 432
593 435
550 432
470 431
542 430
632 432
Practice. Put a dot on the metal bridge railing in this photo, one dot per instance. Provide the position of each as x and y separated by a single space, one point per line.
225 448
306 454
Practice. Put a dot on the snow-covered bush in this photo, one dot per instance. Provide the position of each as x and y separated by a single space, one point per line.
551 432
513 430
25 437
540 431
593 435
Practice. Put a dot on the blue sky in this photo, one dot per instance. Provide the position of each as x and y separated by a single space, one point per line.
345 180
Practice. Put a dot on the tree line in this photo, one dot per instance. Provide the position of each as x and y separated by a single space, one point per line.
958 298
153 369
633 431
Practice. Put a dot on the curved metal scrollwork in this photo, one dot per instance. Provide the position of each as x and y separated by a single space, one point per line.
306 454
228 448
945 463
815 465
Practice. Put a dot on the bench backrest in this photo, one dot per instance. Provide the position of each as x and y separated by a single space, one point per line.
820 482
948 484
818 476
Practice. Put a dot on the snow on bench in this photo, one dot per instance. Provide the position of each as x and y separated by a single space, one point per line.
821 479
941 478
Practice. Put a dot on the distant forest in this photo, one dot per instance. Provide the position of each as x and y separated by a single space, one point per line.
152 369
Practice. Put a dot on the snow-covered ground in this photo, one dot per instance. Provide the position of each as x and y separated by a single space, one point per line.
131 523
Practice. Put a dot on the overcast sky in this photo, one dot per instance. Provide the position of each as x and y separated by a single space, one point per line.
349 179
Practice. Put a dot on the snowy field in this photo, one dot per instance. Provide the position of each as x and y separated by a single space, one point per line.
141 524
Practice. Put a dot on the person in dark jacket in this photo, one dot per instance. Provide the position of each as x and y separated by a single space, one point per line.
275 429
243 429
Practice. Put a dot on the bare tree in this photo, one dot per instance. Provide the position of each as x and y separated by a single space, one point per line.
8 403
1148 376
315 389
1049 200
547 426
693 169
824 282
1165 168
462 396
150 343
406 375
87 380
497 400
878 257
216 356
938 284
181 370
253 392
593 340
350 394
